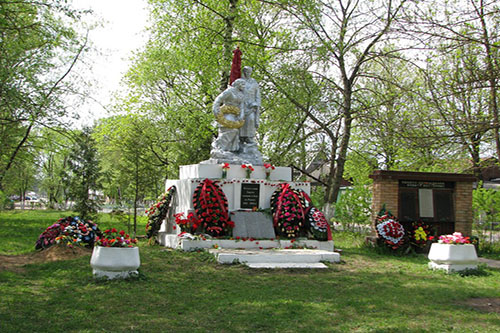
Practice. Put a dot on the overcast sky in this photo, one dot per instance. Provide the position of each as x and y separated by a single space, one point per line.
121 33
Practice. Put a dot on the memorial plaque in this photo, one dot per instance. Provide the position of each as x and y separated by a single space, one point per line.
250 195
425 202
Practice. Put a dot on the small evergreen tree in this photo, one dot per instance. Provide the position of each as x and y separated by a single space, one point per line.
84 174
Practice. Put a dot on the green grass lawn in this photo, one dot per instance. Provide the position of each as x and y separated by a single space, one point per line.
189 292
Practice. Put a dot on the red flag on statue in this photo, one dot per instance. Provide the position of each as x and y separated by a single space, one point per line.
235 66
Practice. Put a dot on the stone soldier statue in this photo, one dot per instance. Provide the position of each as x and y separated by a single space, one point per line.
228 109
251 107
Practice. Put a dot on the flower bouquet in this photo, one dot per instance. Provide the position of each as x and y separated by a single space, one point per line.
225 167
248 169
189 224
268 168
420 235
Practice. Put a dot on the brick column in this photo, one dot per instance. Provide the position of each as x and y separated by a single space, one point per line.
385 191
463 208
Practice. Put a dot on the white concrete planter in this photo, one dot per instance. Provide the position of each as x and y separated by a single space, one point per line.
452 257
115 262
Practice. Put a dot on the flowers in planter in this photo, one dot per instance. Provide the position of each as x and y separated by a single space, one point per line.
115 238
69 231
455 238
248 169
268 168
211 209
389 230
158 211
225 167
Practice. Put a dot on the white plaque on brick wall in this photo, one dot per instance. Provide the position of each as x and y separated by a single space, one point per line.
425 202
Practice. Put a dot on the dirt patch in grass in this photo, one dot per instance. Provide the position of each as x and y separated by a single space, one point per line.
54 253
484 304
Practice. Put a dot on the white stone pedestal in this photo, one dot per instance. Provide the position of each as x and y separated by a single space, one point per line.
452 257
115 262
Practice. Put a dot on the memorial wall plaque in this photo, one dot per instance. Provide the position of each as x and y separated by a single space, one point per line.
425 202
250 195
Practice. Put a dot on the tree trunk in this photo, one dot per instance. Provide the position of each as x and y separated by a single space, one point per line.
228 44
339 170
344 143
492 77
136 194
14 154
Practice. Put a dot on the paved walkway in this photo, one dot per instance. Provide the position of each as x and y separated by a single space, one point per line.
490 262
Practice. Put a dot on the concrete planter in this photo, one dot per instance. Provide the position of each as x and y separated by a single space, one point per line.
115 262
452 257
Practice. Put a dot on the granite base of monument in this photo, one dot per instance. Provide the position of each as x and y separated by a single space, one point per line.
252 225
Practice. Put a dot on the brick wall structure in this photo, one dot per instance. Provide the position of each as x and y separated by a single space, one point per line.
385 192
386 187
463 207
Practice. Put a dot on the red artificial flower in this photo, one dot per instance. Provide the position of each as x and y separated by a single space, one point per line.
113 230
122 232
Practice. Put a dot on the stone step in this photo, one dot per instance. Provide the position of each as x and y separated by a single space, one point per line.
314 265
171 240
295 256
